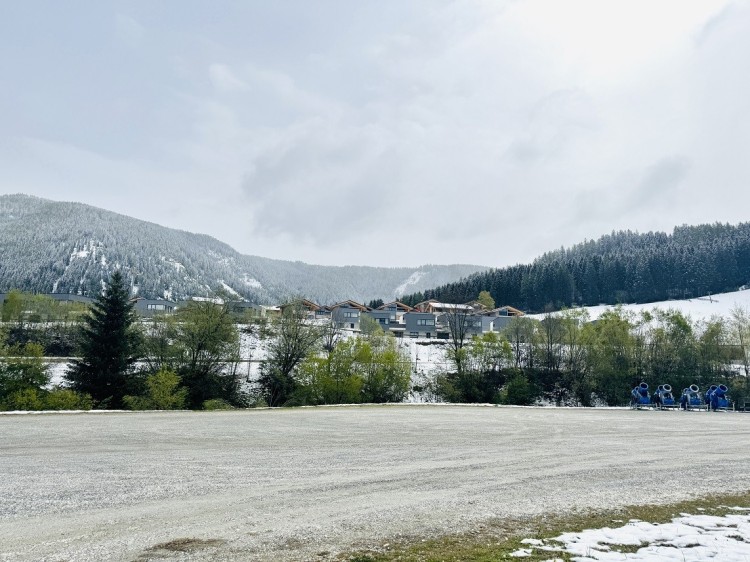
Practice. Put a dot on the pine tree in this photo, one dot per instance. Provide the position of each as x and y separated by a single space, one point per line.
109 343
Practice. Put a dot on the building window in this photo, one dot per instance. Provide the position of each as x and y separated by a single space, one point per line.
414 334
425 321
351 314
155 307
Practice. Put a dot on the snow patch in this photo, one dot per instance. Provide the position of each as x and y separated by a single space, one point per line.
229 289
207 299
689 538
88 249
174 263
412 280
251 282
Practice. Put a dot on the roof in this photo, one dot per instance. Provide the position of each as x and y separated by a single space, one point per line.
350 304
449 306
397 304
512 311
507 310
310 305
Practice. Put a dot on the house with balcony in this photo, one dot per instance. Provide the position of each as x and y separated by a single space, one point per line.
420 325
384 318
437 307
346 314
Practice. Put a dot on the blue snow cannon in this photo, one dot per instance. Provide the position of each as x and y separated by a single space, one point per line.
663 397
639 396
716 397
691 398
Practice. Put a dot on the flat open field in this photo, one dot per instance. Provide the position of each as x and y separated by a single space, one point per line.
292 484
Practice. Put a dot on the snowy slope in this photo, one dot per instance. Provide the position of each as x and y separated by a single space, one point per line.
48 246
702 308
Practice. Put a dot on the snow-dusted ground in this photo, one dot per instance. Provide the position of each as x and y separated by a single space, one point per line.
426 357
701 308
688 538
290 484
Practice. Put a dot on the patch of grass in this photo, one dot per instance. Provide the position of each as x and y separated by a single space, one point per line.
187 545
497 540
625 548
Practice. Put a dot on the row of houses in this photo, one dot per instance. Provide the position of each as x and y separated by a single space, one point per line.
151 307
144 307
428 319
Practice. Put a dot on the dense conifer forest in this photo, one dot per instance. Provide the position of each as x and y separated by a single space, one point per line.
621 267
57 247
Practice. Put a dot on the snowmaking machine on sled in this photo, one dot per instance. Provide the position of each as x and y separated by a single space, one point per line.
640 397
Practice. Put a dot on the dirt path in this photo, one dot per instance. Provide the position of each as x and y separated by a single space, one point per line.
292 484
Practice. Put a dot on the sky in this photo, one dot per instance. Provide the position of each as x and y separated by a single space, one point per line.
388 132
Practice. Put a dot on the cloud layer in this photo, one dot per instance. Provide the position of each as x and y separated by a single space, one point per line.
390 134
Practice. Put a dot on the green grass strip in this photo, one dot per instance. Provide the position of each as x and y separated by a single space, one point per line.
497 540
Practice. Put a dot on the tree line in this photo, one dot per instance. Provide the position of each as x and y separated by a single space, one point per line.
191 360
617 268
566 359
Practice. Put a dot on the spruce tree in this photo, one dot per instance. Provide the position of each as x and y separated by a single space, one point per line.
109 344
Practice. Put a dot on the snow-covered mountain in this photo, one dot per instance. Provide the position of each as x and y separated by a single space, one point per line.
49 246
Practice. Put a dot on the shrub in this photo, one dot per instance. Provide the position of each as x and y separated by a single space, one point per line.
66 399
163 392
24 399
519 391
217 404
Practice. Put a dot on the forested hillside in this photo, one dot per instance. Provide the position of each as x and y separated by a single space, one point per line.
617 268
48 246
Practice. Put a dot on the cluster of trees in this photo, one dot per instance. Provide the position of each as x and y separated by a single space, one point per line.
42 320
310 364
357 370
186 361
567 359
25 382
191 360
617 268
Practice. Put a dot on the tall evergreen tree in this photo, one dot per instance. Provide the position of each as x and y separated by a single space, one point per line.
109 342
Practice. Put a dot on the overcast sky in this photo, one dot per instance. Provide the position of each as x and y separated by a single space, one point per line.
380 132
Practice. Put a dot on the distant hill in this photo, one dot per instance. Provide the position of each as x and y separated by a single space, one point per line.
622 267
48 246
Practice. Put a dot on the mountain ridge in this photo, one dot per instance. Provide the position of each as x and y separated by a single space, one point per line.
51 246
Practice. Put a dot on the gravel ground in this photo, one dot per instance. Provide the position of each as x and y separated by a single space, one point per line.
294 484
